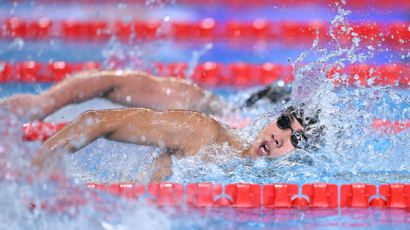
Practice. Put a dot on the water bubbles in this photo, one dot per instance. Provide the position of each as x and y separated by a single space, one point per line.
260 163
356 41
371 81
196 55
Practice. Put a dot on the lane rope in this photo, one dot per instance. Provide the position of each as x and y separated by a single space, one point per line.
243 195
214 74
287 33
278 195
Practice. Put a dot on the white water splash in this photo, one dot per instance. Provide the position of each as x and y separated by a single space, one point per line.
196 55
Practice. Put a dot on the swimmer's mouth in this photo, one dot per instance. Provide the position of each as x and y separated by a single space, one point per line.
263 149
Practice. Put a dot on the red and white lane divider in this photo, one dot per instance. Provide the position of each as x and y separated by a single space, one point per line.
291 33
32 71
265 3
215 74
281 195
357 4
41 131
241 195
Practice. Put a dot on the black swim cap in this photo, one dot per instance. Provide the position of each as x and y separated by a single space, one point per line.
313 131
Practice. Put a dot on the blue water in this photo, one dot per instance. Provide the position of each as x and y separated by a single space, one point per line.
106 160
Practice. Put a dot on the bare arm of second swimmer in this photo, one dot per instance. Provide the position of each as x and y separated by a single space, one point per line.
130 88
180 130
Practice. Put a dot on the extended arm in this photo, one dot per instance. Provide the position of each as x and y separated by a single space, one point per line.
130 88
185 131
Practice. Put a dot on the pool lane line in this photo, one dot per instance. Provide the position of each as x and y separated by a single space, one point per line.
287 33
215 74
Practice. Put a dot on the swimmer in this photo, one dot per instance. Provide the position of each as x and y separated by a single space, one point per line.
160 121
131 89
183 133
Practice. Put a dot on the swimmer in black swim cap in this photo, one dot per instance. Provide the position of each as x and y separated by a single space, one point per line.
276 92
131 89
182 133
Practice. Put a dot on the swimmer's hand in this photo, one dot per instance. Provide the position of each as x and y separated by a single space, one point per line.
24 106
46 159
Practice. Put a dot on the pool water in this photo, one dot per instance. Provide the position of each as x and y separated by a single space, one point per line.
353 152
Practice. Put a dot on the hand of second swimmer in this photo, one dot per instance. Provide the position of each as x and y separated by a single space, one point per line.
45 159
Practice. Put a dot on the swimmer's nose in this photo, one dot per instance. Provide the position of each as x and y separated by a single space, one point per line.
276 141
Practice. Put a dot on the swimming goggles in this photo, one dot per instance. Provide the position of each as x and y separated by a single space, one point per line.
297 138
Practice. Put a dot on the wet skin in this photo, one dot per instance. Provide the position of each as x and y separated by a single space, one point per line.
273 141
129 88
182 132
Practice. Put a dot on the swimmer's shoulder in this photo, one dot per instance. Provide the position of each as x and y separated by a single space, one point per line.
212 131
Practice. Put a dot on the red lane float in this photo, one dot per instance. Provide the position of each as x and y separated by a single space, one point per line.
32 71
41 131
356 195
321 195
167 194
127 190
397 195
207 29
214 74
244 195
202 194
280 195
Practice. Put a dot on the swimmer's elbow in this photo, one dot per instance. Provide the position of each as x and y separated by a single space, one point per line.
100 121
90 114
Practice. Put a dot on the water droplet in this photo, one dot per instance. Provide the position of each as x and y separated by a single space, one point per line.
18 43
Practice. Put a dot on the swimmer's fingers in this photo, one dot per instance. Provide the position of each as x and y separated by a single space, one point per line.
38 158
44 158
51 166
23 105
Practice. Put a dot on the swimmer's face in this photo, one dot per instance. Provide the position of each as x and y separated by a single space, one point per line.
273 141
